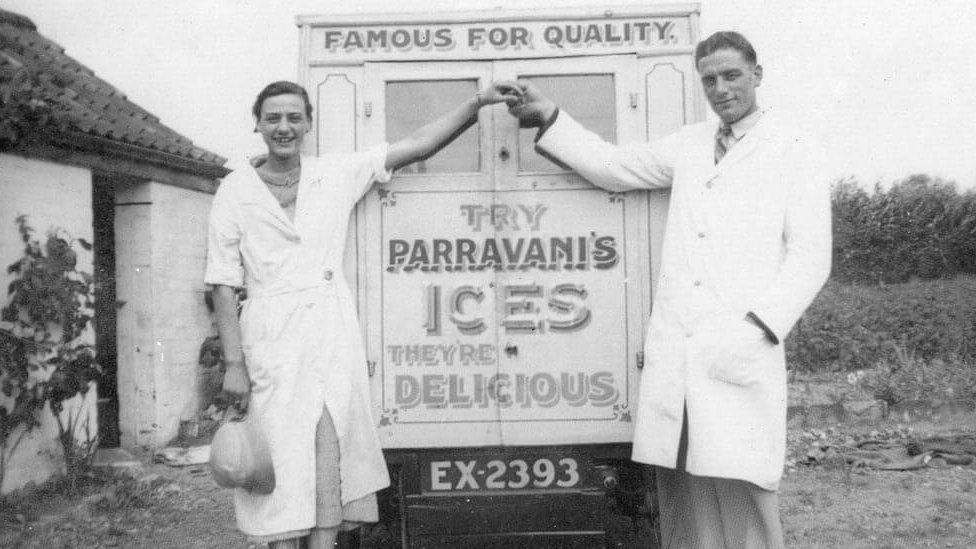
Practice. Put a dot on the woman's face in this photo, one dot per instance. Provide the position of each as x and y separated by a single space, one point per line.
283 125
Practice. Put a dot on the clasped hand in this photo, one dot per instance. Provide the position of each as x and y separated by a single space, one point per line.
523 99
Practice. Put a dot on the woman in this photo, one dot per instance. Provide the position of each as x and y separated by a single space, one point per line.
278 228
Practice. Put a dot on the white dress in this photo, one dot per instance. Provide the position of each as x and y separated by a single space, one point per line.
300 333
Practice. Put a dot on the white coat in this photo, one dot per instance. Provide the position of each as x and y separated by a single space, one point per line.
300 333
749 234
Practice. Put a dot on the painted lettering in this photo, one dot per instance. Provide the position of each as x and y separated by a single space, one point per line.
503 390
521 314
376 39
432 390
469 324
605 252
332 39
603 392
503 216
662 29
406 391
443 39
500 38
566 311
438 472
567 304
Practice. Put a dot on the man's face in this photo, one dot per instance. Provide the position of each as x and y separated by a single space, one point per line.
730 83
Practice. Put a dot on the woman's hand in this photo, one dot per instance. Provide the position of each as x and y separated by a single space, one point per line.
237 383
503 91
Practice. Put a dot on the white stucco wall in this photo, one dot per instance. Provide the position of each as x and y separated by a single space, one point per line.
53 196
160 260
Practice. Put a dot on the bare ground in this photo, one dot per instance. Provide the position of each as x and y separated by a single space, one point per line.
827 505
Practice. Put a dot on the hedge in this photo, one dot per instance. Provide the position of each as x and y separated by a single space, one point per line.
853 327
920 227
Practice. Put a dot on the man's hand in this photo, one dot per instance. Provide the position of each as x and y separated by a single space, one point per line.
237 383
735 354
534 109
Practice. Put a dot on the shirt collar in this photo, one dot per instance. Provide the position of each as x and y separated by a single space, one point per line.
744 125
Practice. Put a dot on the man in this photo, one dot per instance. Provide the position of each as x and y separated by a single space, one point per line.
746 249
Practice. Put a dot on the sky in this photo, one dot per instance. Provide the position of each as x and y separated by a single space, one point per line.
881 83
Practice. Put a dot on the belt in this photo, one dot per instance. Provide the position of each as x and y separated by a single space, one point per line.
327 283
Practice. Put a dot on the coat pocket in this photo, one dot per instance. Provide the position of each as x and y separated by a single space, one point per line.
737 353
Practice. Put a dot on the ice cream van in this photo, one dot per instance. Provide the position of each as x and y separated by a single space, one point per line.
504 300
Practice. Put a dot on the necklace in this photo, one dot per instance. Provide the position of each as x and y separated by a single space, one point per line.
283 180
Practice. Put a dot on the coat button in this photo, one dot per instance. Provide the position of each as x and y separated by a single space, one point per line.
708 184
697 283
327 275
701 235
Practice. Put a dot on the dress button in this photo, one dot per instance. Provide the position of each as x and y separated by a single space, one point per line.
697 283
327 275
701 235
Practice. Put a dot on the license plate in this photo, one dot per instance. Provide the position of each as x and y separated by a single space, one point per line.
487 473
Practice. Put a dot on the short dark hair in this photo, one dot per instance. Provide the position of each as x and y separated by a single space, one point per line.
725 40
281 87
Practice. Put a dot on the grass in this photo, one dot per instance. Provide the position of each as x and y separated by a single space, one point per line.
831 506
103 508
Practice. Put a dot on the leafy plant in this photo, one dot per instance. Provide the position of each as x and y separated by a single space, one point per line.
906 377
43 356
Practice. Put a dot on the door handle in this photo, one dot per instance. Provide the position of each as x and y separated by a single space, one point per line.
504 154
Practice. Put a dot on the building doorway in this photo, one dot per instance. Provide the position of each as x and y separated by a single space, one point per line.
106 346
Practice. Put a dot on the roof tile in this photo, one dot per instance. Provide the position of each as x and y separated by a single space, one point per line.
90 104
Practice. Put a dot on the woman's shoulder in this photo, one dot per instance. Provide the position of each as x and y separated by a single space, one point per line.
235 184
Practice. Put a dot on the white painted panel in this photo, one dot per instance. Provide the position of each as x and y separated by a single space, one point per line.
665 84
335 106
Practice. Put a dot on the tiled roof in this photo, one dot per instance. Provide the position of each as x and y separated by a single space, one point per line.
91 105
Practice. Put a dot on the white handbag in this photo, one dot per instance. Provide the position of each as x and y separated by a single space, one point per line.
240 458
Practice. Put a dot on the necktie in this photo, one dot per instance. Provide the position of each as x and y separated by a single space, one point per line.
723 140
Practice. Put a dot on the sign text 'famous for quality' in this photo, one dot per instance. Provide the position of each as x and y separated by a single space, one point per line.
517 37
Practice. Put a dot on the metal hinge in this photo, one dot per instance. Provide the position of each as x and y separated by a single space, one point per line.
371 367
368 109
640 360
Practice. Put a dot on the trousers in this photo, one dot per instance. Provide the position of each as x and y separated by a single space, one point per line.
714 513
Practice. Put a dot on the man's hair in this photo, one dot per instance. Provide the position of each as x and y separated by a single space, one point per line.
725 40
282 87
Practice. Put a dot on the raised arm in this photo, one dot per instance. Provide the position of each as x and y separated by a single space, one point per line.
612 167
434 136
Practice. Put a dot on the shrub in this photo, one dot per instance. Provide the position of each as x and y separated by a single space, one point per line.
859 327
905 377
44 356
